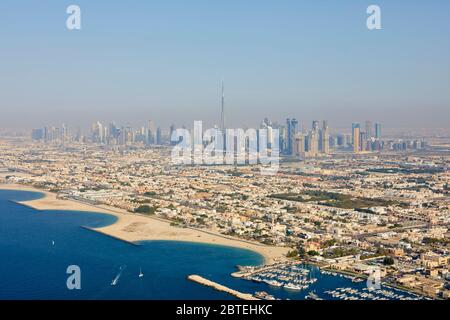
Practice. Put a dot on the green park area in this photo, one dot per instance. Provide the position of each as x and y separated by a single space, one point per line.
332 199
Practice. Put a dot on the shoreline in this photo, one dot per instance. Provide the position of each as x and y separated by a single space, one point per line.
134 228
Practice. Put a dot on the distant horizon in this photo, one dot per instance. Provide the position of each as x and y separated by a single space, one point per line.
85 129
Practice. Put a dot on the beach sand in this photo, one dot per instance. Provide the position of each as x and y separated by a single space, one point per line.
134 228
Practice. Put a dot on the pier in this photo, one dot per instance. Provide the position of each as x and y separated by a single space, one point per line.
221 288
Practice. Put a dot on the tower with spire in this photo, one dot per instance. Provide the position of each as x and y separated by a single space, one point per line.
222 110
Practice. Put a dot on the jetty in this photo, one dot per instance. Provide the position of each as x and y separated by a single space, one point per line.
221 288
110 236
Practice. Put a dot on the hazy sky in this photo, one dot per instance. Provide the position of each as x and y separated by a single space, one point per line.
164 60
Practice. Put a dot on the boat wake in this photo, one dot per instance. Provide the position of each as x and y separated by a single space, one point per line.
116 279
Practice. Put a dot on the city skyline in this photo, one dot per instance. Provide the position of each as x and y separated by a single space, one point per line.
233 158
292 140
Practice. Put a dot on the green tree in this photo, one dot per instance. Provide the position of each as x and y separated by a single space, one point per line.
388 261
146 209
292 254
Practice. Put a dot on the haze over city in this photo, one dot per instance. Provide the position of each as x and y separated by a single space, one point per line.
165 61
231 158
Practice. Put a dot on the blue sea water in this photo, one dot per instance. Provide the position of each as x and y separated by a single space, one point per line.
36 247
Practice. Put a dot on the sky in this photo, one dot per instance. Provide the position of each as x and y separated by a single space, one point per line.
164 60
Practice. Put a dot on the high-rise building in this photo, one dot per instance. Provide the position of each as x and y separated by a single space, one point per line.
369 130
299 145
283 139
288 136
315 125
325 138
356 130
363 141
97 132
292 128
313 143
222 110
340 140
158 136
354 125
64 133
37 134
377 130
46 133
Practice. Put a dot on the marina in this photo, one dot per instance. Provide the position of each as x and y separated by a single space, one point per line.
288 277
296 281
370 294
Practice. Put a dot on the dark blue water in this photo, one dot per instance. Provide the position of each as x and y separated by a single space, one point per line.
32 267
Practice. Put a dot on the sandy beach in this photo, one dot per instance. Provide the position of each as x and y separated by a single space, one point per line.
134 228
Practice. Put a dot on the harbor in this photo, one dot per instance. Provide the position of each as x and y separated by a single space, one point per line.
287 276
348 293
301 281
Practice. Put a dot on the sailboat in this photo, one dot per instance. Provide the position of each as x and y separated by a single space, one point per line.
140 273
53 242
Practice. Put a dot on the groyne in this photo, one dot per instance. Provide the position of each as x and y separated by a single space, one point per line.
221 288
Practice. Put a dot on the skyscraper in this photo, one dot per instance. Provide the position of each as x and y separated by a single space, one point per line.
315 125
222 110
97 132
378 130
288 136
363 141
294 126
354 125
64 133
313 143
283 139
37 134
356 129
325 138
299 145
158 136
369 131
294 129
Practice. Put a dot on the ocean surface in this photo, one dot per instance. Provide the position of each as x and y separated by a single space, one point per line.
36 247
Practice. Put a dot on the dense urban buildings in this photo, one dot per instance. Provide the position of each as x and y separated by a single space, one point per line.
293 142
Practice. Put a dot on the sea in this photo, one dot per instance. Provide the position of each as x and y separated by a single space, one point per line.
37 247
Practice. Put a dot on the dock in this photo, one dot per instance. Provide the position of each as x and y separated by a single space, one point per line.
221 288
255 270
